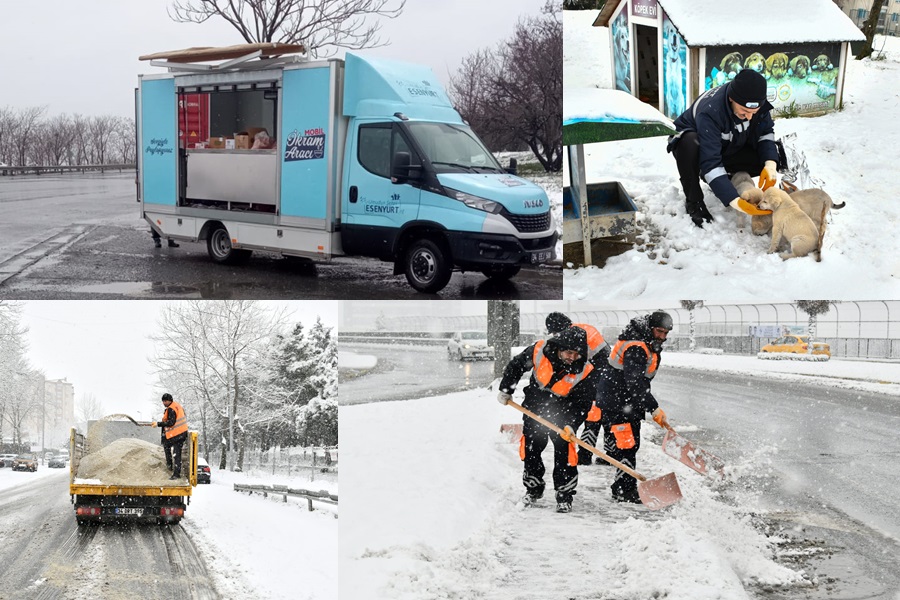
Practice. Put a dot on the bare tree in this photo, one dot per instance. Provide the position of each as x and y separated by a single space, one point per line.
514 94
322 26
25 124
89 408
690 305
101 129
869 28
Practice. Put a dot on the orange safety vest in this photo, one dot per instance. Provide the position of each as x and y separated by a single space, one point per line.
595 339
617 357
180 425
543 372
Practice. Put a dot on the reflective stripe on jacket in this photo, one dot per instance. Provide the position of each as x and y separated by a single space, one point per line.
180 425
617 356
543 372
595 339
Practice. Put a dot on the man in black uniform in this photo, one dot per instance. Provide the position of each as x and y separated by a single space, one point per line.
561 389
623 393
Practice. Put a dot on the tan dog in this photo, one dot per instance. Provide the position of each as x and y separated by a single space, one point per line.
814 202
791 223
757 62
777 65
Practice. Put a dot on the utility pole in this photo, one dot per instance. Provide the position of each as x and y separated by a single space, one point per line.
43 416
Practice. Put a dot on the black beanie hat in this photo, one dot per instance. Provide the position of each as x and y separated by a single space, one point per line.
748 89
556 322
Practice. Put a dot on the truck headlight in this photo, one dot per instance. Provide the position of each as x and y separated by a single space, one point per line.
475 202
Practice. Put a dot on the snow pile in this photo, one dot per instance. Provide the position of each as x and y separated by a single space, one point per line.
709 351
356 362
792 356
125 462
674 259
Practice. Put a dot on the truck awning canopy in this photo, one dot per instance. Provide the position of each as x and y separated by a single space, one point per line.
207 53
600 115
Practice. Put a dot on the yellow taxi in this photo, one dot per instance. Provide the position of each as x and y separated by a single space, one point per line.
797 344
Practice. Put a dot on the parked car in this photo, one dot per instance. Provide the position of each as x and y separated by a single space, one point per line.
57 462
797 344
25 462
204 475
469 345
6 460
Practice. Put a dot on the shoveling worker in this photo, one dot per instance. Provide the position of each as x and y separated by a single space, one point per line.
623 392
175 429
726 130
561 389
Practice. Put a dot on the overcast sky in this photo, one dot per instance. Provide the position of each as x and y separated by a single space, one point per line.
102 346
80 56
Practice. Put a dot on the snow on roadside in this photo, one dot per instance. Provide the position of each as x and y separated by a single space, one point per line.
10 478
265 548
352 360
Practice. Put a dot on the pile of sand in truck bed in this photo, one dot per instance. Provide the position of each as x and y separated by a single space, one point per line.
128 462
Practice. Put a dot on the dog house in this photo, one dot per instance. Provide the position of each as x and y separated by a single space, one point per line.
668 52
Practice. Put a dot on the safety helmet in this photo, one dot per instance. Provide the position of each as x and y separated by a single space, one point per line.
662 320
167 397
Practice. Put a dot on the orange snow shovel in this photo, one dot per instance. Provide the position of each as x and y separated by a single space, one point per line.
656 493
681 449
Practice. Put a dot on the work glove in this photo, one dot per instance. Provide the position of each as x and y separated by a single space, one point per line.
659 415
741 205
504 398
769 175
568 434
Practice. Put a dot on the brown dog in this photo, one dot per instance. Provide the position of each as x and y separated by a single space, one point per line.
814 202
777 65
757 62
799 66
791 223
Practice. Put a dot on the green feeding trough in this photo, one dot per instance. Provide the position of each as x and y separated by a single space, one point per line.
590 115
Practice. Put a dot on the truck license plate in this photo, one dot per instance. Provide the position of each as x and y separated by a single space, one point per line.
129 511
540 257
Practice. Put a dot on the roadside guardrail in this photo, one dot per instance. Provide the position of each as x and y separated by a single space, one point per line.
63 169
285 491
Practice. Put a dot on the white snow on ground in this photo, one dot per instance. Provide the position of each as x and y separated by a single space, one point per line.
263 547
352 360
852 151
10 478
436 516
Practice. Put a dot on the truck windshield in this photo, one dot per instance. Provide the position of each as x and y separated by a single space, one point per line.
453 148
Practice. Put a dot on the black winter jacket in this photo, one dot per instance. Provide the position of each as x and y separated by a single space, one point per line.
722 134
624 394
569 410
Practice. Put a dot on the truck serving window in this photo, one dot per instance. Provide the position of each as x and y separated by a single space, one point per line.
377 143
453 148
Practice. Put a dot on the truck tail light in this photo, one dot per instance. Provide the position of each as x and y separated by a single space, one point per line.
88 511
805 347
167 511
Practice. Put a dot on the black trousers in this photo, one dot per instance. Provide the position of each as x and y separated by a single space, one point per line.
589 435
565 477
173 449
687 158
624 485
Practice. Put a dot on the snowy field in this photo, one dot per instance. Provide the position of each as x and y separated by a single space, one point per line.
852 151
255 547
437 516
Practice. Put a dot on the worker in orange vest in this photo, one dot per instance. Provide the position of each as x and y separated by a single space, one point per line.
560 389
623 394
175 430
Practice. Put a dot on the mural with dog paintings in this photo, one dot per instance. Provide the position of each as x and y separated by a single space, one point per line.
801 78
674 54
621 51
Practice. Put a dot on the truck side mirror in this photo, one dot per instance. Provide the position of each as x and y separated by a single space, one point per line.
401 169
513 167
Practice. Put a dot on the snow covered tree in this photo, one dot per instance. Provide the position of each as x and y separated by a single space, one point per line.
14 368
813 308
690 305
322 26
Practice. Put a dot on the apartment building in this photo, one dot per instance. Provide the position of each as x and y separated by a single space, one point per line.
859 10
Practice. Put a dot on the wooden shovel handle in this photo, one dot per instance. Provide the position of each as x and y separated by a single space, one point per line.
584 445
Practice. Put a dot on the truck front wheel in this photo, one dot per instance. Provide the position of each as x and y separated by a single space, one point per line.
218 244
428 266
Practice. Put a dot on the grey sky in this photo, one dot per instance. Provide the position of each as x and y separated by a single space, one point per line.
80 56
102 347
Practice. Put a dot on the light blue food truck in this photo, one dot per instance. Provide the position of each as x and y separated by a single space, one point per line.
368 158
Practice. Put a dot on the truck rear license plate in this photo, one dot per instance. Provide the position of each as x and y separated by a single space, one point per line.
130 511
540 257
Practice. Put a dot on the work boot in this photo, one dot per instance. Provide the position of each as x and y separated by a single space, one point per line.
173 477
631 496
530 498
584 457
173 243
157 242
563 507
